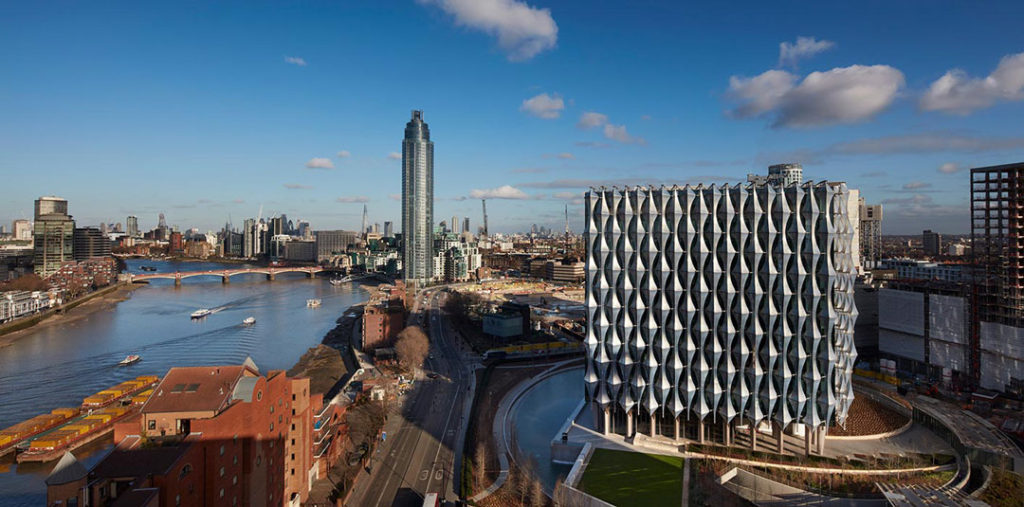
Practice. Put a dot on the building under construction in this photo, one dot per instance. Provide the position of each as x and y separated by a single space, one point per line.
997 239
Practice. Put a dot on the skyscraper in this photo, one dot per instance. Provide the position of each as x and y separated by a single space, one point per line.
388 229
133 226
417 200
870 234
932 242
54 235
728 305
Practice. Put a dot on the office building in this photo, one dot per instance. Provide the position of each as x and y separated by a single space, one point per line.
133 226
389 229
417 201
870 234
208 435
720 305
465 225
564 271
333 243
89 242
53 235
21 230
932 243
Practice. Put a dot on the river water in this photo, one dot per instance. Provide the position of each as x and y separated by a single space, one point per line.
539 415
57 366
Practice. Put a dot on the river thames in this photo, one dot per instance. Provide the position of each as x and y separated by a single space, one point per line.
57 366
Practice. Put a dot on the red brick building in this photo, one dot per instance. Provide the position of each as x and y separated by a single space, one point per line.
77 278
210 435
384 316
176 243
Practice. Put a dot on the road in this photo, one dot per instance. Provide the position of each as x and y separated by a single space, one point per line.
419 453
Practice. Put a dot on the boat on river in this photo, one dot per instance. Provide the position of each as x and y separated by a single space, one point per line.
313 303
200 313
130 359
249 321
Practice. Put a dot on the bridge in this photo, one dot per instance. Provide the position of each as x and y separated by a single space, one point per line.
224 274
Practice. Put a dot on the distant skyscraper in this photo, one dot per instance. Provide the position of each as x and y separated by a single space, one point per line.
465 224
932 242
870 234
388 229
418 200
363 230
54 235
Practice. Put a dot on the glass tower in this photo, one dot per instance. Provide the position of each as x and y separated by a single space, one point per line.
417 200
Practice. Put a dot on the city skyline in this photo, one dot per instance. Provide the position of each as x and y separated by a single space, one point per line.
579 94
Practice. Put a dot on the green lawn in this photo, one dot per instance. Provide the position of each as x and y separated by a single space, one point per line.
630 478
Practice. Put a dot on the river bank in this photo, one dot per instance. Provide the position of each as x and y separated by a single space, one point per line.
102 299
329 364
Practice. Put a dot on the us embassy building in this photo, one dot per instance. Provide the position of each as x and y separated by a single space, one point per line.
720 311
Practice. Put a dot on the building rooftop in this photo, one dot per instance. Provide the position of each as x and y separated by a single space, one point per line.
68 469
197 389
129 459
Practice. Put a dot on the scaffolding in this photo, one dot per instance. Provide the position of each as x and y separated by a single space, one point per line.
997 250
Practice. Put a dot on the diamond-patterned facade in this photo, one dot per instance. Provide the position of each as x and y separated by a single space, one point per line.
730 303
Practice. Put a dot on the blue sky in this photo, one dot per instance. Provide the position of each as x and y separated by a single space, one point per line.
205 110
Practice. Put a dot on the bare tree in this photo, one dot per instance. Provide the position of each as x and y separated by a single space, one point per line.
412 347
480 465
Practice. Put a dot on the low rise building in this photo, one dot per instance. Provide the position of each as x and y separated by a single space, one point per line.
20 303
383 317
564 271
77 278
210 435
503 324
914 269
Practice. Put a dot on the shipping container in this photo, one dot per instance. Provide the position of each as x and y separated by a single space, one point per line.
65 412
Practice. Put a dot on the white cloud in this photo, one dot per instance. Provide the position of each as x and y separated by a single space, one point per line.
591 144
344 154
590 119
395 155
522 31
646 117
925 143
566 195
916 185
295 60
353 199
320 163
297 186
395 197
618 133
543 106
238 201
956 92
502 192
950 168
841 95
804 47
564 155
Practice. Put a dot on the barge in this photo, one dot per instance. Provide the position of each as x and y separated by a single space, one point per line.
47 436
